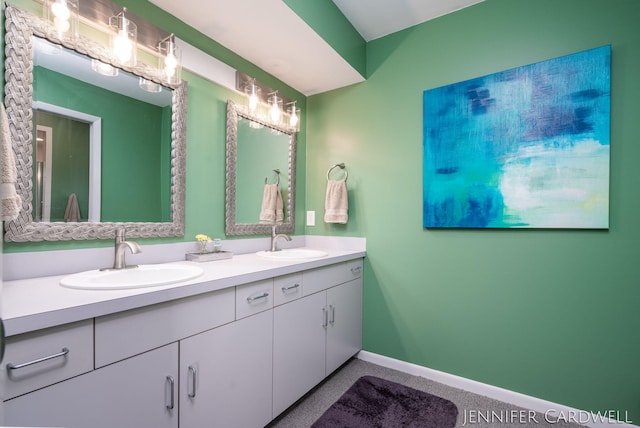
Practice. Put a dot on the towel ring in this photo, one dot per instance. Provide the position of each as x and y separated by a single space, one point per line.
342 167
277 172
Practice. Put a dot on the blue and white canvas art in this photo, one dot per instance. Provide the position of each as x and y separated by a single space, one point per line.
522 148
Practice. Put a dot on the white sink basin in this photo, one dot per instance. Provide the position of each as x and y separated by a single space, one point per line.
293 254
142 276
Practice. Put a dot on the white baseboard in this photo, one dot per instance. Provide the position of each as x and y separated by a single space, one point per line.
554 411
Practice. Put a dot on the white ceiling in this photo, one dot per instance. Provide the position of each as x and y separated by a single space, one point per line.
270 35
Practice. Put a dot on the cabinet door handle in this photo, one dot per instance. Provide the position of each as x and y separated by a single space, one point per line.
194 374
324 317
356 270
291 287
262 296
62 353
332 314
172 397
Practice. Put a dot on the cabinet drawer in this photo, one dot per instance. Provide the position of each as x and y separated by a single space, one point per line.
319 279
253 298
125 334
354 269
45 357
287 288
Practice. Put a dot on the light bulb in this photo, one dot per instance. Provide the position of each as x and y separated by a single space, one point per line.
123 46
253 102
61 24
170 61
61 10
274 112
169 72
293 120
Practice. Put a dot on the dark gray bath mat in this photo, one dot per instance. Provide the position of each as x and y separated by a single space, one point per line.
375 402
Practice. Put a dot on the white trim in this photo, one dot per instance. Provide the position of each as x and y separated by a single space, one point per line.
494 392
95 151
204 65
45 188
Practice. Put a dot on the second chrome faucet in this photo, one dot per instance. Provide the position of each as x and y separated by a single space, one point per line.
275 236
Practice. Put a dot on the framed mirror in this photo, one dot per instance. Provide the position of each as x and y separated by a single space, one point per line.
129 169
259 154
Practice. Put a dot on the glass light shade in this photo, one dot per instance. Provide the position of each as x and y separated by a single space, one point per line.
293 117
253 98
275 109
62 17
124 39
170 60
149 86
103 69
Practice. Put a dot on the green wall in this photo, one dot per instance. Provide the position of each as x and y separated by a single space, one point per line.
548 313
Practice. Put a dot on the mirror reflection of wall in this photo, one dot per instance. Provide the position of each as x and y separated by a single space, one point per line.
136 149
260 151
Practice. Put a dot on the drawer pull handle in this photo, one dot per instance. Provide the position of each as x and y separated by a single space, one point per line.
356 270
262 296
172 397
290 287
62 353
192 372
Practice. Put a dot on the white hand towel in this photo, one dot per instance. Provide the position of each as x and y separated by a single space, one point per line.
11 202
336 203
72 213
272 210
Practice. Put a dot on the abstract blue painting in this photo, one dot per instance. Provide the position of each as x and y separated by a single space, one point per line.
522 148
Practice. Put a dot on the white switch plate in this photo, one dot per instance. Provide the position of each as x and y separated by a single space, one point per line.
311 218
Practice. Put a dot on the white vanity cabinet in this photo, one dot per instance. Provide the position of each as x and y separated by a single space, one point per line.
233 357
137 392
316 334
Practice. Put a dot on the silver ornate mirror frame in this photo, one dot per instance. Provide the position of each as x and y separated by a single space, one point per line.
20 26
232 227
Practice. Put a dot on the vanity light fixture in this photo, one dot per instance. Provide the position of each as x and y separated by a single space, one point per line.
103 68
124 38
170 65
63 17
275 108
267 111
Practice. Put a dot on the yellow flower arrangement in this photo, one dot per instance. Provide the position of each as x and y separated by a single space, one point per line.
200 237
202 240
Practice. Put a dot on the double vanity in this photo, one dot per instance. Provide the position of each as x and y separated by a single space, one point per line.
228 343
235 346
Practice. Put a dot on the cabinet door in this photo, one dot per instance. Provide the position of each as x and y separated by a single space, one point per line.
133 393
344 330
298 349
226 375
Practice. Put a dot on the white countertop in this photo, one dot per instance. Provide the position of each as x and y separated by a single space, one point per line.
37 303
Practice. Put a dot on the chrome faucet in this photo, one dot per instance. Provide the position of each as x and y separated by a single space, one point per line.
121 244
274 238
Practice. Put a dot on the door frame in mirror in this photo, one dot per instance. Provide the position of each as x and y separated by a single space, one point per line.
95 151
20 27
231 226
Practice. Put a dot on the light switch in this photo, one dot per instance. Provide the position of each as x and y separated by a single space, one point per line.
311 218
